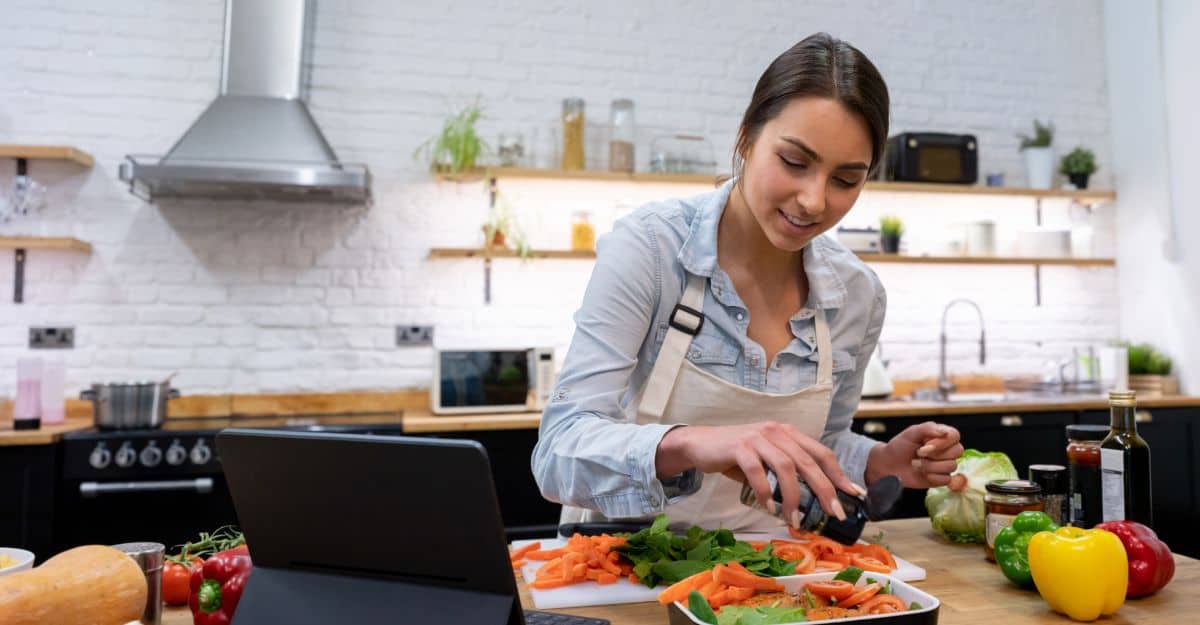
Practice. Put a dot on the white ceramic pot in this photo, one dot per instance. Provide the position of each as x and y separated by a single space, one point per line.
1039 167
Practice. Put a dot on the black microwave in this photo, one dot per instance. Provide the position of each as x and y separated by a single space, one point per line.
931 157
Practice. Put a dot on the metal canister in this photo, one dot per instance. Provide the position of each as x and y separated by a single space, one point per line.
149 556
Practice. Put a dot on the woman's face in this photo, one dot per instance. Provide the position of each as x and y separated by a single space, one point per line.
805 170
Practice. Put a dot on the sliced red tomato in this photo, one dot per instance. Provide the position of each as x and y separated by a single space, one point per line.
883 604
832 589
868 591
867 563
879 552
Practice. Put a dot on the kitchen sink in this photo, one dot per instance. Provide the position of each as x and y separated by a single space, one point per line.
934 395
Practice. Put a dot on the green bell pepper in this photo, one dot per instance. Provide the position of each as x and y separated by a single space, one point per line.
1012 545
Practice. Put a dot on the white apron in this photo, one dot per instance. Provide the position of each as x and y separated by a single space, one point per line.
678 391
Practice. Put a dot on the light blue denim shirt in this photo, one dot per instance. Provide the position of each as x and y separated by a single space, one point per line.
590 452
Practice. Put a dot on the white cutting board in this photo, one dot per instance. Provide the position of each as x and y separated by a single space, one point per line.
625 591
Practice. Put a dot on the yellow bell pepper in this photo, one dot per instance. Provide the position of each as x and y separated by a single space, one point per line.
1080 573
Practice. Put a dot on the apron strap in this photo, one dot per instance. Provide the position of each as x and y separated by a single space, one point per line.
824 349
685 322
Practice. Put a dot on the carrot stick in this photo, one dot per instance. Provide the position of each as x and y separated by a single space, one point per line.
524 549
545 555
606 578
744 579
680 589
517 564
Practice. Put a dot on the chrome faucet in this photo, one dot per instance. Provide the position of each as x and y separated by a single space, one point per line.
945 386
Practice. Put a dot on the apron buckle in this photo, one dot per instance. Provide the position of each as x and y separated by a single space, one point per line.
687 326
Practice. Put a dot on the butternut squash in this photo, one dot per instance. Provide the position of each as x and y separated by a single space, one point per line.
90 585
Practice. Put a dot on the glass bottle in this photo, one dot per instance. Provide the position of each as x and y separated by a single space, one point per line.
572 121
621 137
1125 464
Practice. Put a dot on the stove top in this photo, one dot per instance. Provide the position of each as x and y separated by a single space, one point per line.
184 447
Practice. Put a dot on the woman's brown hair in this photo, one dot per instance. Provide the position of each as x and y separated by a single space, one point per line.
819 66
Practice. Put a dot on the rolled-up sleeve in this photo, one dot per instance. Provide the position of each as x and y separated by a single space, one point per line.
850 447
588 454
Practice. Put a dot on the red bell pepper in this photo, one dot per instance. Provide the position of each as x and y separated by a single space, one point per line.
217 586
1151 565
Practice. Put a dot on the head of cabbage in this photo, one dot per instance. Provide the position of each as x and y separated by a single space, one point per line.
957 511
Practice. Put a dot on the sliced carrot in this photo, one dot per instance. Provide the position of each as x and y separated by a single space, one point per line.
547 584
744 579
680 589
740 594
579 571
606 578
518 553
550 568
883 604
867 563
868 591
550 554
516 564
633 579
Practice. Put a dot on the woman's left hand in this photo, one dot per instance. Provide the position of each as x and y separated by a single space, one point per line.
922 456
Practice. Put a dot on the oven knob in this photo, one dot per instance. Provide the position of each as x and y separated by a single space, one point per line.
201 454
176 454
126 456
151 455
100 457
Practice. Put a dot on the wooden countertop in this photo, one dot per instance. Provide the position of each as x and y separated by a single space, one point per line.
423 421
971 589
45 435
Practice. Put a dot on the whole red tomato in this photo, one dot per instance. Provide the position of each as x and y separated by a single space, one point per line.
176 580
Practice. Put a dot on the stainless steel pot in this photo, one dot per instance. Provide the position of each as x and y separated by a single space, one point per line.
130 405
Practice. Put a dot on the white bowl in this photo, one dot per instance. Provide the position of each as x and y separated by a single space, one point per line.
24 560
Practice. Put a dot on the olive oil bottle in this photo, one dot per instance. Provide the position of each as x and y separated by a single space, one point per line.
1125 464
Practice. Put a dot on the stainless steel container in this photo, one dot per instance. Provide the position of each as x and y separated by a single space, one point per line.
129 406
149 556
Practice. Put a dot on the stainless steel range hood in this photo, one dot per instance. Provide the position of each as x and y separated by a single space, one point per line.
257 139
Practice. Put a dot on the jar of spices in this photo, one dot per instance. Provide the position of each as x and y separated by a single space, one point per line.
1005 499
1053 480
572 121
620 141
1083 463
583 234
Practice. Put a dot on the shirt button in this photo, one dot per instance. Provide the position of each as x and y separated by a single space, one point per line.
740 316
754 360
694 354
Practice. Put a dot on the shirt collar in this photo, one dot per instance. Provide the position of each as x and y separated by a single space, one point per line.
698 255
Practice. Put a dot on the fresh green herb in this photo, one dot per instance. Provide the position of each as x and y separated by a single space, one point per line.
765 615
698 605
810 599
877 539
659 556
915 606
849 574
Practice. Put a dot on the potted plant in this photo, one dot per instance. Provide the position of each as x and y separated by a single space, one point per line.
456 149
1077 166
1150 371
502 228
1039 155
890 229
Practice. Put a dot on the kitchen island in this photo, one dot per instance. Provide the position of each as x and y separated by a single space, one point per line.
971 589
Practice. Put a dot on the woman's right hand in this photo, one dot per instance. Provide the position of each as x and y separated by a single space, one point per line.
744 452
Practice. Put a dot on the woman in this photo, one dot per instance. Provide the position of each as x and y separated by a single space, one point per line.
720 336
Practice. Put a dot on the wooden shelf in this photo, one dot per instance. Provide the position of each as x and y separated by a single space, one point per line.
45 243
986 260
473 252
47 152
1087 195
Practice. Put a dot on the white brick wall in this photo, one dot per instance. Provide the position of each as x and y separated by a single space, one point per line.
269 297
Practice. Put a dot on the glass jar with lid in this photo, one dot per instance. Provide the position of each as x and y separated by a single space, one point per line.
572 122
1005 499
1083 466
583 233
621 136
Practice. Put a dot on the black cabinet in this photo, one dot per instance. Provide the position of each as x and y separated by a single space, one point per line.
27 481
1174 438
525 512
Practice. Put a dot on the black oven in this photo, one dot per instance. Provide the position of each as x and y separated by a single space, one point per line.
161 485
